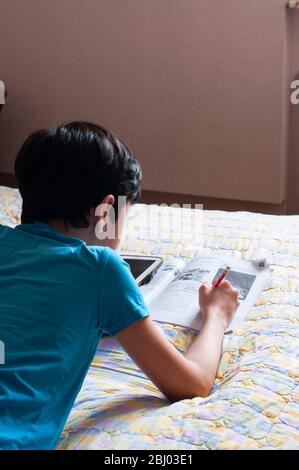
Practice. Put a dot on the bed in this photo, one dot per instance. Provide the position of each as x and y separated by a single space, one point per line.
255 400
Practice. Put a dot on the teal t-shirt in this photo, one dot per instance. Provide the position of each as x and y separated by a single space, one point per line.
57 297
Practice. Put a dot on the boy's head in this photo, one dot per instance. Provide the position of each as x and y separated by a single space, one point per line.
66 172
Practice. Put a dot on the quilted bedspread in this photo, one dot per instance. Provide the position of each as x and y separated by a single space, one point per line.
255 400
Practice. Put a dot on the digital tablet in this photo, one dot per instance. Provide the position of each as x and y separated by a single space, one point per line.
143 267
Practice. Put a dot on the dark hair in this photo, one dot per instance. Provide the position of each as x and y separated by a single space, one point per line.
65 171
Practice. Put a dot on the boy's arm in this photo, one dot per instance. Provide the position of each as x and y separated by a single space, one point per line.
180 377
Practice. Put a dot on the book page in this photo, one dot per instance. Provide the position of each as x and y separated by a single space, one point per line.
169 270
179 303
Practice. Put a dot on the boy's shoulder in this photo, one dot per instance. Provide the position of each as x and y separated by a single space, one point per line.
103 254
113 267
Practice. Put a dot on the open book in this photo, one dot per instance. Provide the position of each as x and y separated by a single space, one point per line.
172 294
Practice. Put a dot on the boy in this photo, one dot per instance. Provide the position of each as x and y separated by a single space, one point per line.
62 287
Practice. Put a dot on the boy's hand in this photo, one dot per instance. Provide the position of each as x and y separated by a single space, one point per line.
218 304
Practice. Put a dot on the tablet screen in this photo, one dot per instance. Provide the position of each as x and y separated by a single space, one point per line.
138 266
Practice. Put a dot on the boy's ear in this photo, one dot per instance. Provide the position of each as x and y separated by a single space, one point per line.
102 209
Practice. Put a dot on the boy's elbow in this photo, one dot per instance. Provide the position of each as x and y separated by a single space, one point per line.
205 388
201 387
201 390
205 392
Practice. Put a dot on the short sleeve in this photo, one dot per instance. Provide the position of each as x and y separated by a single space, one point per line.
122 302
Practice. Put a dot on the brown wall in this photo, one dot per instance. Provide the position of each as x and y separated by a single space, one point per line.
198 88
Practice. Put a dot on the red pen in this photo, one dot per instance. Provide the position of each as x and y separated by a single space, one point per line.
221 277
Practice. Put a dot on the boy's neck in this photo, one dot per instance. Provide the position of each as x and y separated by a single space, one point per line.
86 234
